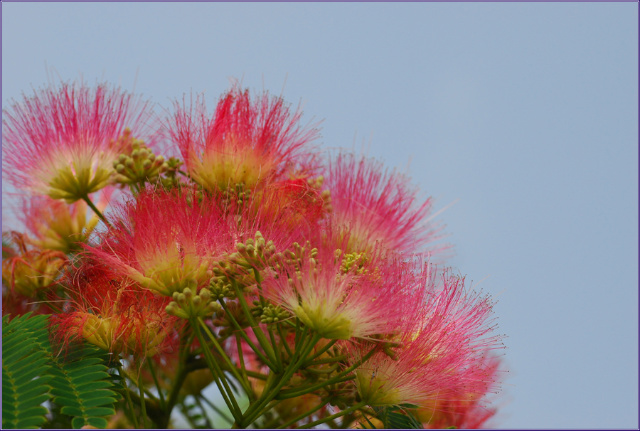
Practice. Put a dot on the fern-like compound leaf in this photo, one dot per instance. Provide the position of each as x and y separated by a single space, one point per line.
24 372
77 383
81 387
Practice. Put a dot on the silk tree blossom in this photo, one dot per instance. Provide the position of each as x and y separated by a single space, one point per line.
246 142
115 316
334 303
165 241
55 225
31 270
377 208
62 142
468 407
297 203
441 355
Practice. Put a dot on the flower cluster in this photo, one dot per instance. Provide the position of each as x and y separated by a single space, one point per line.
305 281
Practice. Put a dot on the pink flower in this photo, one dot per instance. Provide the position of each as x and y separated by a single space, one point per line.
56 225
376 208
245 143
466 408
114 315
165 241
62 142
335 302
30 271
442 354
295 204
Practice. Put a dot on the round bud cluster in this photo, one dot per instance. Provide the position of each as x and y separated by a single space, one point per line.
269 313
139 164
186 305
299 253
220 290
170 171
225 319
253 253
223 271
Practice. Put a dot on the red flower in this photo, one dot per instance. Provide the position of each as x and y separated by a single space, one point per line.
335 301
442 351
164 241
56 225
376 208
63 142
31 270
245 142
114 315
466 408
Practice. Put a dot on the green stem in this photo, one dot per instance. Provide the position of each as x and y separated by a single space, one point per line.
329 370
95 210
127 396
232 368
296 392
244 336
154 412
262 340
277 351
284 341
335 416
218 411
146 391
208 423
256 275
291 369
320 405
256 375
181 375
338 378
243 371
324 349
143 405
163 403
326 361
218 375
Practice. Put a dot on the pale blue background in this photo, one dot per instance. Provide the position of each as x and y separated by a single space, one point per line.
525 113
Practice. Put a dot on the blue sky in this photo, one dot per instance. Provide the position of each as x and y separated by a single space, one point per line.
523 114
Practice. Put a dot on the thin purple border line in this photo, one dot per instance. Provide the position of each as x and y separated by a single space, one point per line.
324 1
381 1
638 137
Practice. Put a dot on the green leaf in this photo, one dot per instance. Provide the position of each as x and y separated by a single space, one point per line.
92 386
73 411
33 422
76 384
398 417
100 411
24 388
81 387
78 422
98 422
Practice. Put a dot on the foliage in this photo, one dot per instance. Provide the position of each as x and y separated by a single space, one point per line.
32 375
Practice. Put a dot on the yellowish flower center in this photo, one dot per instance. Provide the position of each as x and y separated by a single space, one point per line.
328 324
75 175
233 162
